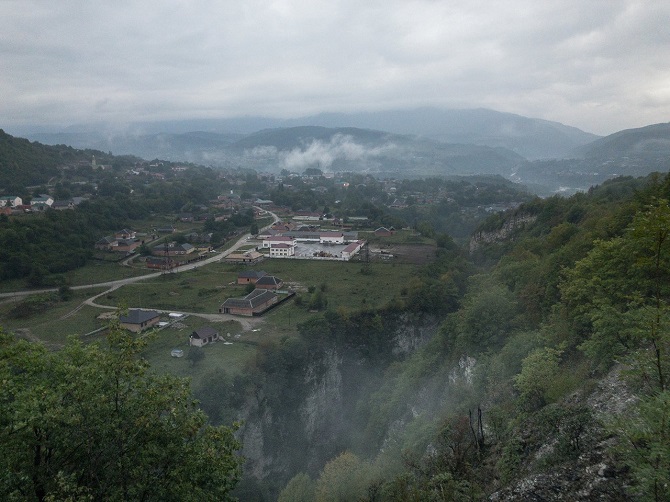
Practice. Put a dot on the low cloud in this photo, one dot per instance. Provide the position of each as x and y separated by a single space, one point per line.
323 154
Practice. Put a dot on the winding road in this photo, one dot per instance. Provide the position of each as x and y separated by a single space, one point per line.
113 285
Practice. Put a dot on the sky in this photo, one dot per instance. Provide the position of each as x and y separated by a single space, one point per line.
600 65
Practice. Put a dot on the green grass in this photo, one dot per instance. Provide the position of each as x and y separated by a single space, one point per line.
217 355
50 325
203 290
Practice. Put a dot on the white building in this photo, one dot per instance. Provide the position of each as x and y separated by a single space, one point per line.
282 250
278 239
10 200
331 238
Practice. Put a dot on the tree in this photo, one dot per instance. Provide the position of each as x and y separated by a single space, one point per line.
93 423
299 489
343 478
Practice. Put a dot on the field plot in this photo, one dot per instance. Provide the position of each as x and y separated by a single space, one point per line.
46 318
230 354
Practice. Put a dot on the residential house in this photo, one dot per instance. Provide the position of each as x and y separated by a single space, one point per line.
138 320
10 200
125 234
384 232
107 243
353 248
42 202
269 282
63 204
249 276
255 303
245 258
172 249
160 263
203 336
126 245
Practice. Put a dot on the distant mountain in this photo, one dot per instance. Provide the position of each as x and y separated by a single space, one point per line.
528 137
370 151
297 148
198 147
648 142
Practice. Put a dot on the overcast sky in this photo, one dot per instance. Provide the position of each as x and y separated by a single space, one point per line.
600 65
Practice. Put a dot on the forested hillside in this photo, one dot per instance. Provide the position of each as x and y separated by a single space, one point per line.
24 164
534 366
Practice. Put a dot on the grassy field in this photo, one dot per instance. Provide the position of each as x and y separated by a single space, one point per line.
345 285
57 321
217 355
205 288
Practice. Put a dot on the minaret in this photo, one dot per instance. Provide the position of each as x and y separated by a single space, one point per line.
93 165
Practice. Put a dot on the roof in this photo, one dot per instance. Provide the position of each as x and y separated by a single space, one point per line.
281 246
136 316
252 300
353 246
269 280
251 274
204 332
281 238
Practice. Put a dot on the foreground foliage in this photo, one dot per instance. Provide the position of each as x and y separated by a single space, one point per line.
92 423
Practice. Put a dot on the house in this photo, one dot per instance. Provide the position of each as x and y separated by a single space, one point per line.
203 336
246 258
160 263
249 276
41 202
10 200
138 320
384 232
165 230
125 234
107 243
255 303
352 249
172 249
126 245
63 204
282 250
269 282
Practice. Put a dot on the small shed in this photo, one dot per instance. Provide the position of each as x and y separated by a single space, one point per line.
203 336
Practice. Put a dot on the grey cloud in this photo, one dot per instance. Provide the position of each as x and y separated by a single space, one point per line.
596 64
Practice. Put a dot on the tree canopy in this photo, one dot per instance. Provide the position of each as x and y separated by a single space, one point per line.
93 423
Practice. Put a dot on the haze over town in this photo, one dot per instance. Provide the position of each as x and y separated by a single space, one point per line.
599 65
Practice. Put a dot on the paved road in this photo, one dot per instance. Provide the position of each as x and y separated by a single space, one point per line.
121 282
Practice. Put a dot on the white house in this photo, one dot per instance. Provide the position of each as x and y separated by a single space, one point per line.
10 200
203 336
42 201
